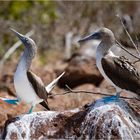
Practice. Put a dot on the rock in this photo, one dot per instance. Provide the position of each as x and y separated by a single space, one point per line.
81 70
6 83
103 119
8 111
71 100
107 87
84 98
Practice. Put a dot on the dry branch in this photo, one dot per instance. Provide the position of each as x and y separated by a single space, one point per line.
129 36
97 91
120 45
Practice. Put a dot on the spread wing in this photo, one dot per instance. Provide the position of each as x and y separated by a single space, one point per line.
37 85
122 73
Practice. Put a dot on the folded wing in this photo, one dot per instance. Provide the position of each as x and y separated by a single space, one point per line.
122 73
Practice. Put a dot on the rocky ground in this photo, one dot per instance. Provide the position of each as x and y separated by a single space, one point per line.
98 120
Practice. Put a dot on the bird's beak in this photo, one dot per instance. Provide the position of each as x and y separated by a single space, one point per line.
20 36
95 35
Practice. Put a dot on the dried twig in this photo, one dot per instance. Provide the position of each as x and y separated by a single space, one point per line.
138 50
129 35
97 91
120 45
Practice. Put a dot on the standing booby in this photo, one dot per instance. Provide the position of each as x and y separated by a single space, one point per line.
118 71
29 87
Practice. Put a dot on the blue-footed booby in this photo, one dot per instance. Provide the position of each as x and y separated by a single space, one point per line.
29 87
117 70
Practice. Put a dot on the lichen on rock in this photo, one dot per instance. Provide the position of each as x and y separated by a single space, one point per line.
103 119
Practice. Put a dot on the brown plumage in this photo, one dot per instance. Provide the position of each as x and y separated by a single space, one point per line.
39 87
122 73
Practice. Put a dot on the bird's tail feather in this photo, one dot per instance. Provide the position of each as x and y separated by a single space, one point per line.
53 83
44 104
10 101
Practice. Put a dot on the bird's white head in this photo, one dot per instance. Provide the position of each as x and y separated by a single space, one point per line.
103 34
107 40
29 44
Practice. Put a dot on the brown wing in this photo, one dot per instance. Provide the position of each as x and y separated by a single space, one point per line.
37 85
122 73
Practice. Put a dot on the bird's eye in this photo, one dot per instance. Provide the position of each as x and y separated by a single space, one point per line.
26 40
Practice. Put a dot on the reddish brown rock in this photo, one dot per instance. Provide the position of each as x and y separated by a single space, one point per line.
81 70
106 86
8 111
103 119
6 83
71 100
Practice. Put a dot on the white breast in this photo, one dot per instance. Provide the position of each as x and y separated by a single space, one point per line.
99 65
23 88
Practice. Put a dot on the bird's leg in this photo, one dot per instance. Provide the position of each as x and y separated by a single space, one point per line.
31 109
118 95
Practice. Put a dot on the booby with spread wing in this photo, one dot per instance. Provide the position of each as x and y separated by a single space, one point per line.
29 87
118 71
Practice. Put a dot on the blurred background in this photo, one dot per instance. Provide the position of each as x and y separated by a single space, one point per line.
56 27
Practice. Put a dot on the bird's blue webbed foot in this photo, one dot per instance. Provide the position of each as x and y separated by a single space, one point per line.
10 101
14 101
110 99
